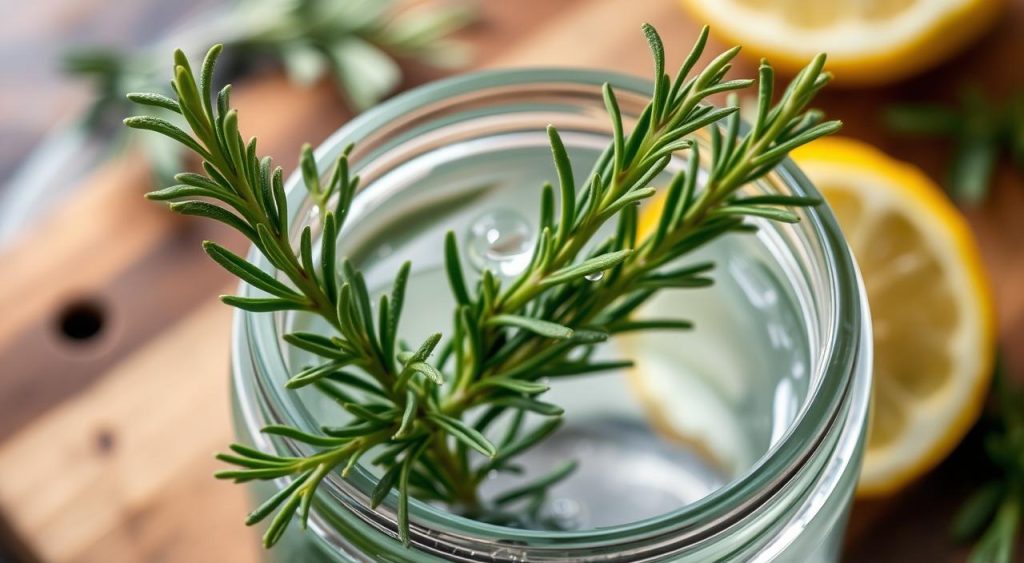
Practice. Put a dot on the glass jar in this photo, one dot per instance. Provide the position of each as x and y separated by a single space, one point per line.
782 494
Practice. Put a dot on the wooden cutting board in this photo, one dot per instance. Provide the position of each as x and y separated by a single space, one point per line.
106 442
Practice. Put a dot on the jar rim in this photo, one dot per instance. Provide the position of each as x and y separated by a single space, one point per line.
722 507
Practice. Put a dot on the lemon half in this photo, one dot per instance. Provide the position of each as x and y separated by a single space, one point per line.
931 306
868 41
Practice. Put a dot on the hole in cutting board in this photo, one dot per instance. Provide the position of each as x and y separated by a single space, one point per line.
81 320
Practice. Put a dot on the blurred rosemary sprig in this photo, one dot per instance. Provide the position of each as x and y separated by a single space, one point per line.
981 130
429 424
356 42
992 515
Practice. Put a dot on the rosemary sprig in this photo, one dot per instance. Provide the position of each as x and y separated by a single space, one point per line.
981 130
430 424
992 515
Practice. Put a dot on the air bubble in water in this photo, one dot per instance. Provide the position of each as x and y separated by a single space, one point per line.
500 240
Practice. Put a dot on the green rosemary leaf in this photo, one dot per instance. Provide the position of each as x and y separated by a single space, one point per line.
211 211
471 331
972 168
517 385
690 282
705 234
403 498
395 309
427 371
219 178
528 404
659 99
672 198
977 512
300 436
512 432
453 266
772 213
253 453
689 189
251 463
408 415
691 59
280 201
327 257
618 137
155 100
268 506
313 374
206 77
539 327
464 434
787 200
928 120
415 363
640 130
363 307
345 314
306 252
547 207
590 266
361 428
384 486
334 392
310 174
684 271
183 191
566 184
166 128
280 522
246 475
316 344
249 273
540 485
650 324
778 152
765 87
630 198
200 181
585 367
306 493
262 304
997 543
354 459
367 414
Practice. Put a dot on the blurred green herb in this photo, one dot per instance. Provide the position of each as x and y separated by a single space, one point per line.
981 130
429 424
992 515
356 42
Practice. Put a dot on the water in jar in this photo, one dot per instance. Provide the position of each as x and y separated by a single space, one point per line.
699 408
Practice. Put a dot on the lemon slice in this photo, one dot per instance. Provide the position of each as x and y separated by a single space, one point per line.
931 306
868 41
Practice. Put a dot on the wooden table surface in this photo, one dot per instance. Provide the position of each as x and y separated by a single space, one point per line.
106 442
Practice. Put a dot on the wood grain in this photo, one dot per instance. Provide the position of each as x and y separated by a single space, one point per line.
105 446
115 468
